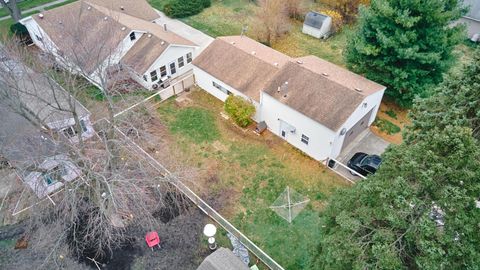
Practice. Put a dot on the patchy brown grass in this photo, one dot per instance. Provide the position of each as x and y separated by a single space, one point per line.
401 120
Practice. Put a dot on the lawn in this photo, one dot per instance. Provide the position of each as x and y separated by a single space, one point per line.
24 5
243 174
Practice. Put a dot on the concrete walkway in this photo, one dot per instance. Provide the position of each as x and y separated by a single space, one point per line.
186 31
38 8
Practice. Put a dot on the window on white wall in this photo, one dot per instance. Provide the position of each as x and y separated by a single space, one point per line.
180 62
38 38
173 68
132 36
163 71
189 57
305 139
154 76
221 88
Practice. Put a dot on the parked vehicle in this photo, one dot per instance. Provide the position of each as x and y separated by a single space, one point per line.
364 164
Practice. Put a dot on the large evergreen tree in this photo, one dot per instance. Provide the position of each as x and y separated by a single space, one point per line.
387 221
405 44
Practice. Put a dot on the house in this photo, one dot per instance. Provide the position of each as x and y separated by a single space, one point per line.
314 105
95 37
39 162
222 259
40 98
317 25
472 19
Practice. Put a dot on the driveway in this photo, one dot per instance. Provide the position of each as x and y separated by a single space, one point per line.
366 142
182 29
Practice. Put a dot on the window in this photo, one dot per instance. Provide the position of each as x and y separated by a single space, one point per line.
38 38
221 88
173 69
69 132
163 71
180 62
305 139
54 175
132 36
189 57
145 78
83 126
153 75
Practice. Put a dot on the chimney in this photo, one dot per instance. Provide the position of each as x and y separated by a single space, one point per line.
165 27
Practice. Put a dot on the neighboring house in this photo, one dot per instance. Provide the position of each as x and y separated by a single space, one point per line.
40 98
314 105
317 25
96 36
38 161
472 19
222 259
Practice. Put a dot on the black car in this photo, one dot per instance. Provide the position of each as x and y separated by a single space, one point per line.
364 164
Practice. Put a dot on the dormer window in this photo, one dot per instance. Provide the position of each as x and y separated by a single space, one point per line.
132 36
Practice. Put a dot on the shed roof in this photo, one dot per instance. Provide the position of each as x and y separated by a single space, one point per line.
222 259
315 19
474 11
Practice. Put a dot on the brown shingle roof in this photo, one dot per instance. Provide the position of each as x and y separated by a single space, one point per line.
340 75
75 29
235 67
144 53
136 8
314 95
319 89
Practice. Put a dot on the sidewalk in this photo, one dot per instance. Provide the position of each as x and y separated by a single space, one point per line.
37 8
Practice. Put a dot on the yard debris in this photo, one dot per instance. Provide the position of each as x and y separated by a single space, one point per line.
239 249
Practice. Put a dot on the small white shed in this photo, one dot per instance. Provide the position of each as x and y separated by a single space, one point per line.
317 25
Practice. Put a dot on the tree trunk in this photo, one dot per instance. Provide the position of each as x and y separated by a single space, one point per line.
13 9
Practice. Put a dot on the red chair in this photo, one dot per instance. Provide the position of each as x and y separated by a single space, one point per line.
152 240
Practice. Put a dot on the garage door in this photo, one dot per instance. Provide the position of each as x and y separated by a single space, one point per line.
353 132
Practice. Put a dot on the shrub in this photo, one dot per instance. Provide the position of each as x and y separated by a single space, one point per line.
240 110
387 126
185 8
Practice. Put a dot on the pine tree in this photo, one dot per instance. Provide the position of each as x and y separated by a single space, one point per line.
405 44
387 221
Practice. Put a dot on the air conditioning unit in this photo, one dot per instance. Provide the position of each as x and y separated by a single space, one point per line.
476 37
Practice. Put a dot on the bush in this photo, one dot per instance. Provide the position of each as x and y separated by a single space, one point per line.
185 8
387 126
240 110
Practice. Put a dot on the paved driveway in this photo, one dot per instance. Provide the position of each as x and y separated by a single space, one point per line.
182 29
366 142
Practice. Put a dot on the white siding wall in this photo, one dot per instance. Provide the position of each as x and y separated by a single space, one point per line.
170 55
205 81
39 37
373 102
320 137
318 33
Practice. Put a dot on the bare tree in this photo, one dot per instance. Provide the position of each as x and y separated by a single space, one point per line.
117 186
12 8
295 8
273 20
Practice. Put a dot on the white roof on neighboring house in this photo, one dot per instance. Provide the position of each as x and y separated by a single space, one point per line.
474 11
315 19
37 93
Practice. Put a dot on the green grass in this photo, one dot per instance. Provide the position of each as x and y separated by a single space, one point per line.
196 124
387 126
24 5
391 113
251 175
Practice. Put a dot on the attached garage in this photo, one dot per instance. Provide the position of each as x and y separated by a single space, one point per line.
358 128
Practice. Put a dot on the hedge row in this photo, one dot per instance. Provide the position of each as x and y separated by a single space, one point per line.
185 8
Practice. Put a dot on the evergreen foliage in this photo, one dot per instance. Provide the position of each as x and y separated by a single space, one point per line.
405 45
240 110
385 222
185 8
